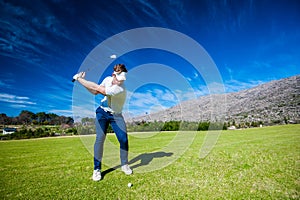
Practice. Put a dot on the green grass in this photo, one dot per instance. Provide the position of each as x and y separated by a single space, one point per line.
258 163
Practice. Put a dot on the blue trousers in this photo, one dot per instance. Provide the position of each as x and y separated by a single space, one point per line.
103 119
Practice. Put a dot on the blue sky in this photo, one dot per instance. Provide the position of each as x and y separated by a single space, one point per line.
42 45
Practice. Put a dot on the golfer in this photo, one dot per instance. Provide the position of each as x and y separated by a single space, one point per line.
109 111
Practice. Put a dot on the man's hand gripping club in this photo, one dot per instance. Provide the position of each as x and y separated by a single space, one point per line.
89 85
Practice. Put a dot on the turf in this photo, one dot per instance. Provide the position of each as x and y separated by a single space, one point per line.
258 163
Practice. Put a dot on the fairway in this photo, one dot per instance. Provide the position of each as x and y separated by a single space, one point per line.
258 163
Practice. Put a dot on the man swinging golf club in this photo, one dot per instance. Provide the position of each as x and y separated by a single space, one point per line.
109 111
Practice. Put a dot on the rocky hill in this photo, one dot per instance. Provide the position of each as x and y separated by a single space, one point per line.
275 102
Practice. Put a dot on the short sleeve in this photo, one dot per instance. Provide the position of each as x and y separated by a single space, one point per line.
113 90
106 81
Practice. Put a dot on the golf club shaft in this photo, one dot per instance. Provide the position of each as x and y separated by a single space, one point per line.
113 56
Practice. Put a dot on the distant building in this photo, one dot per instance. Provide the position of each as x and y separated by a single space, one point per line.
9 131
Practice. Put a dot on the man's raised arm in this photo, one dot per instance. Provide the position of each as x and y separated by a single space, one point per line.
92 87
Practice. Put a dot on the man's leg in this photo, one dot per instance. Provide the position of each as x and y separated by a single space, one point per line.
119 126
101 127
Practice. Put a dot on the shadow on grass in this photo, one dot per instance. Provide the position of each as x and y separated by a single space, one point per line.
144 159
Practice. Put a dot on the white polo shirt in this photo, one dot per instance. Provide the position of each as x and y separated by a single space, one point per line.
115 96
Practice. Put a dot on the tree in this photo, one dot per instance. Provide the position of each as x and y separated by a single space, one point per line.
4 119
54 119
203 126
171 126
41 117
25 117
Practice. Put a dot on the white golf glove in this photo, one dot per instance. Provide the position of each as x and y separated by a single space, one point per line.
79 75
75 77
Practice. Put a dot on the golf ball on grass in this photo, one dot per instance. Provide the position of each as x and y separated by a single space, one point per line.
129 185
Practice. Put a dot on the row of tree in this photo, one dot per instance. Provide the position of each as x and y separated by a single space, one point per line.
175 126
41 131
26 117
140 126
186 126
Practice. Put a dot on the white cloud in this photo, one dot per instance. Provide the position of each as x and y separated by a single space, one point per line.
142 99
235 85
79 112
61 112
18 106
151 101
196 75
168 96
191 93
216 88
188 78
26 98
141 103
9 98
229 71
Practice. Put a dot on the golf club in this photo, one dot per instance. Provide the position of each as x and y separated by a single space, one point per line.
113 56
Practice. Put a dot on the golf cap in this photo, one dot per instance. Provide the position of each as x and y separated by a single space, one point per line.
120 76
